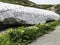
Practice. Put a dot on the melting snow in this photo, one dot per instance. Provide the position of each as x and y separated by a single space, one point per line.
29 14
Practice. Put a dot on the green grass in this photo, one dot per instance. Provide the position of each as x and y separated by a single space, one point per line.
26 3
24 36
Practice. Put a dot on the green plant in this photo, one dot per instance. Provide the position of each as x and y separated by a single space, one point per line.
23 36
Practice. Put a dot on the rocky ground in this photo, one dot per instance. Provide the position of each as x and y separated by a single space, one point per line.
52 38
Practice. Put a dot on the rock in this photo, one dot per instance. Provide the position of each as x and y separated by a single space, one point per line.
11 14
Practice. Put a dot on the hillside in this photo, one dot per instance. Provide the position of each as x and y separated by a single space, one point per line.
21 25
55 8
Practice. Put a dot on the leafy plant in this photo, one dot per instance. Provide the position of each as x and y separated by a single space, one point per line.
24 36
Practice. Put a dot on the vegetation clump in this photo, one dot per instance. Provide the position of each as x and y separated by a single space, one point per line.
24 36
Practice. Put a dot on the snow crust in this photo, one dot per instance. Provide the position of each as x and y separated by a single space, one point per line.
29 14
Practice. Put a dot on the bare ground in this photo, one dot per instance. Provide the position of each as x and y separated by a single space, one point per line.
52 38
